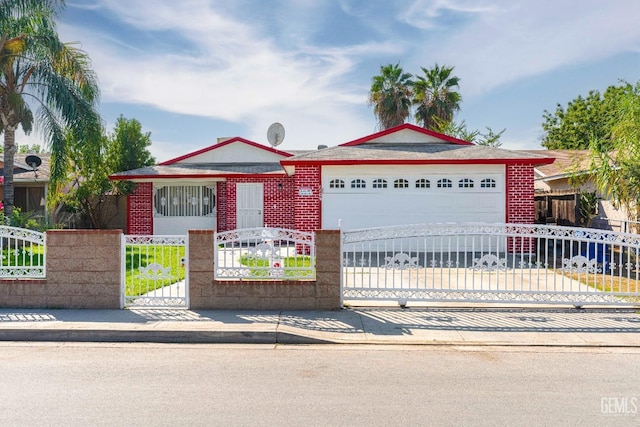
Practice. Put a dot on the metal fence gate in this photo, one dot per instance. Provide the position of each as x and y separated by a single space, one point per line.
265 253
155 272
505 263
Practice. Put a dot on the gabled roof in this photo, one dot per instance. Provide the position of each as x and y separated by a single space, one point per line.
411 145
379 136
234 140
231 157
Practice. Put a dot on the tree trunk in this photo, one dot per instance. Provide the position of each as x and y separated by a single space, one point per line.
9 149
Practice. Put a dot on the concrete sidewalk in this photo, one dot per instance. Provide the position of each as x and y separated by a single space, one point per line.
415 326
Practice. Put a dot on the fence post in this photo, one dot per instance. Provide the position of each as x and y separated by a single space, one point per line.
201 268
328 269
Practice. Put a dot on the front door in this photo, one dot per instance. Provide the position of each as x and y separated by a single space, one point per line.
249 205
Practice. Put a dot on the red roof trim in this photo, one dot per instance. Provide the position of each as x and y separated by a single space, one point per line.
541 161
222 144
410 127
202 175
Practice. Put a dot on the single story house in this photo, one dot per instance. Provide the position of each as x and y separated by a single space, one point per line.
401 175
30 183
555 181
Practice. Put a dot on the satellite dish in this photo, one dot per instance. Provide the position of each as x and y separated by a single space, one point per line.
275 134
33 161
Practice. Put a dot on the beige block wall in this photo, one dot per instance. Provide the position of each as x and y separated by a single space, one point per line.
83 271
320 294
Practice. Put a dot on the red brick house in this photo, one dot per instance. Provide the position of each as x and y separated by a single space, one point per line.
403 175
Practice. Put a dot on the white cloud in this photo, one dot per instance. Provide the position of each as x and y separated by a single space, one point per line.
502 42
237 70
427 14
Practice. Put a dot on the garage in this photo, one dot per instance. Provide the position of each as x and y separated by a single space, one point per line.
375 196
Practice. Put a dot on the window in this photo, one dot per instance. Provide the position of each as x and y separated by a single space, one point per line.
423 183
184 200
488 183
379 183
336 183
444 183
401 183
358 183
465 183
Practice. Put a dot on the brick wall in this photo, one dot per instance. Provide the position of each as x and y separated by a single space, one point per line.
307 207
140 209
83 271
278 208
221 206
520 202
320 294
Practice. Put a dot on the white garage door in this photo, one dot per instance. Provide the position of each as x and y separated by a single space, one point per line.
363 200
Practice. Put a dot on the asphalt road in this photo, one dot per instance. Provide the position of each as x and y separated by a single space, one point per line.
151 384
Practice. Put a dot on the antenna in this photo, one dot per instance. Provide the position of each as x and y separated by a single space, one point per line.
275 134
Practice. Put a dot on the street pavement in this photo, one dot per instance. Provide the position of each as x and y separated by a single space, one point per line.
491 326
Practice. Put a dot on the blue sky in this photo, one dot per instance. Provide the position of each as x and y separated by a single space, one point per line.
194 70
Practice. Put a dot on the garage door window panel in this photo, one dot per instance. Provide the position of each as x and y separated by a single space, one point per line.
423 183
400 183
336 183
488 183
379 183
358 183
465 183
445 183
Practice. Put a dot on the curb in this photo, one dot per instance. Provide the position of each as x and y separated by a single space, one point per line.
246 337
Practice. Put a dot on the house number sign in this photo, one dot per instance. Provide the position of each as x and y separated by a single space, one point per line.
305 192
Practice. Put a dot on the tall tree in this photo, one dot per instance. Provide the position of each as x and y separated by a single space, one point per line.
435 96
615 164
390 96
38 71
461 131
583 120
89 190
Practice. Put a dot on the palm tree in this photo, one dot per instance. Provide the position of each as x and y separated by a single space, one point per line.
39 72
390 96
435 96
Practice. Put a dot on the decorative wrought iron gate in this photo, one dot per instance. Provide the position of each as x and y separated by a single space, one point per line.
265 253
510 263
155 272
22 253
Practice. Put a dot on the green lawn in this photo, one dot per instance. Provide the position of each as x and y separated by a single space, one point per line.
23 257
142 256
298 266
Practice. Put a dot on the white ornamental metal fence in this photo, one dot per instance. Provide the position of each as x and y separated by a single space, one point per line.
23 253
511 263
265 253
155 272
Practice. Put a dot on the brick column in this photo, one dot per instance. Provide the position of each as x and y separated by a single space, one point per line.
307 204
201 269
140 209
520 204
328 270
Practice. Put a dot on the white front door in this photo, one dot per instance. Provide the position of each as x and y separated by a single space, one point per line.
249 205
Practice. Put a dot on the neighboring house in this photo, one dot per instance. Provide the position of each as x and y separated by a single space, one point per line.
30 186
556 183
403 175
